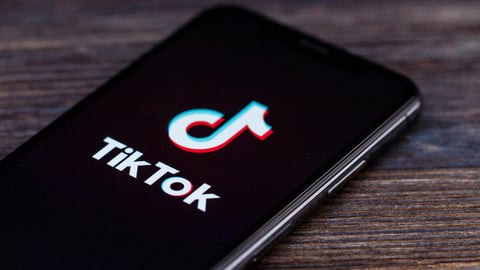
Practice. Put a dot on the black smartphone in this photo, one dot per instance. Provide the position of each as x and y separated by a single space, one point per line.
201 153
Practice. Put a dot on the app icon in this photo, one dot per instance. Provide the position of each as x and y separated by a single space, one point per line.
251 117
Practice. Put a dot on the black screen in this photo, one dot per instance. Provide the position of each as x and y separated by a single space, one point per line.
64 208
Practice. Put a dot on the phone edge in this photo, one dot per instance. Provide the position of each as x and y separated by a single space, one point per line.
293 213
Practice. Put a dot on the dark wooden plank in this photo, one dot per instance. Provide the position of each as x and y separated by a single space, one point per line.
417 206
391 219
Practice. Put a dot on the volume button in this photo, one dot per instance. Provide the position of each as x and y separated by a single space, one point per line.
340 182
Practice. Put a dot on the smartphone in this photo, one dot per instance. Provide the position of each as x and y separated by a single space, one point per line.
202 153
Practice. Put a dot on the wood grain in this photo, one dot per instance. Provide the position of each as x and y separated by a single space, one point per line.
417 206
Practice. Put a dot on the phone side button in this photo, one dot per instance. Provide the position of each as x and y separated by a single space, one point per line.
337 185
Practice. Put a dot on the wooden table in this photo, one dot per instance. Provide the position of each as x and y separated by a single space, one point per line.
418 206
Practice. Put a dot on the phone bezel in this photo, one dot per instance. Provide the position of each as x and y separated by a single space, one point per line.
255 245
290 215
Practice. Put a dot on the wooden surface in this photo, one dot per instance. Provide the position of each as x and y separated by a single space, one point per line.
417 206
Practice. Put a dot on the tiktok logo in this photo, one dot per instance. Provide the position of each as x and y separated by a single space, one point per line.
251 117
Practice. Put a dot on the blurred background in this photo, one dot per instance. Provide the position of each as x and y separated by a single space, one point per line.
417 206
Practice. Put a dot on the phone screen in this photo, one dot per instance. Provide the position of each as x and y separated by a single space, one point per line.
178 159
